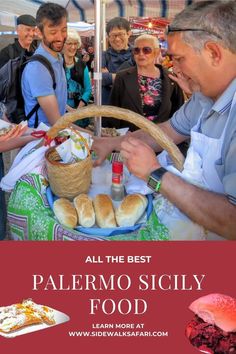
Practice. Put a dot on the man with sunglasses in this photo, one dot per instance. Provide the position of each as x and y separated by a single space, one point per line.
119 51
200 202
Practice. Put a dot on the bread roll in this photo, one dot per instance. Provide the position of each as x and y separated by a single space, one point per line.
85 211
131 209
104 212
216 309
65 212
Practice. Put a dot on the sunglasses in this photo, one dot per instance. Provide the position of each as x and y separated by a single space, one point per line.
145 50
170 29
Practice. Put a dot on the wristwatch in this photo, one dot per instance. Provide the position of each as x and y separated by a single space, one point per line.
154 180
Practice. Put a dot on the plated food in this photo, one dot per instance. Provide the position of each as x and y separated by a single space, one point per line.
85 210
100 211
27 313
65 212
213 329
104 211
131 209
9 131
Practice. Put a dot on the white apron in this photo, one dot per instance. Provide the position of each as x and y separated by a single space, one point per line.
199 169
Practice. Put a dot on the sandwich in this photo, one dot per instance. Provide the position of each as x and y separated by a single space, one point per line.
6 130
213 329
12 130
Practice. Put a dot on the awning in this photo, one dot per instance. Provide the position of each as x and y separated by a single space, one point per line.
83 10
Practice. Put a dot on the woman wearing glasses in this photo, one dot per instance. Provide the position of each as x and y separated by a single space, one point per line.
77 76
118 33
146 88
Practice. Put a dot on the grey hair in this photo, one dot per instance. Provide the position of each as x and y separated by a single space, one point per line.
217 19
74 35
147 37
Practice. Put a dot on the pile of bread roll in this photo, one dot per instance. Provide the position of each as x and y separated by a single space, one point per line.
86 212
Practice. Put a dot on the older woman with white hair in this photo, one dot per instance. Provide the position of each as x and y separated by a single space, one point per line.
146 88
77 75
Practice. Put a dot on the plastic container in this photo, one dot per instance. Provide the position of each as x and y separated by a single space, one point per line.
117 186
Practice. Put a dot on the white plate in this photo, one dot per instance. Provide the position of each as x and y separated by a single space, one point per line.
59 317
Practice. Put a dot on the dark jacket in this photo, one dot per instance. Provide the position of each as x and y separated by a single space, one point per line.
125 94
112 61
14 50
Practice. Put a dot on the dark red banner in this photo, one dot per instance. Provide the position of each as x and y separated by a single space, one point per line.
121 297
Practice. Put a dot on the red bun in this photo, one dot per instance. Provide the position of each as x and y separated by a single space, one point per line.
216 309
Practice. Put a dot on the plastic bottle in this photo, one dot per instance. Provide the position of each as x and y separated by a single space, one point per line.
117 186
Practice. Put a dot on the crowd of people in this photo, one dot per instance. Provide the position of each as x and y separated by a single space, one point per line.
201 45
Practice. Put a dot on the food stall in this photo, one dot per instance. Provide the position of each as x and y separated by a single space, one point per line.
31 212
38 177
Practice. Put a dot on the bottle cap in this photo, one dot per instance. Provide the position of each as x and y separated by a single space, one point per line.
117 167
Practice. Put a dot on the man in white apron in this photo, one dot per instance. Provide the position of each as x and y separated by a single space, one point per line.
200 202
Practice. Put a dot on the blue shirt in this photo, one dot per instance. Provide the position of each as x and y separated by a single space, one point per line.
37 81
215 115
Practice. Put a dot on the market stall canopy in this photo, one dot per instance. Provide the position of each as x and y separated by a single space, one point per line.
152 25
83 10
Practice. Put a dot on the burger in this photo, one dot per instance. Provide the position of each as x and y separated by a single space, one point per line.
213 329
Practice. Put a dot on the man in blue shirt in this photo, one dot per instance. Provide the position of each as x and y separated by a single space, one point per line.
37 85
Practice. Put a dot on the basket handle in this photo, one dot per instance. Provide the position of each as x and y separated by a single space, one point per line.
124 114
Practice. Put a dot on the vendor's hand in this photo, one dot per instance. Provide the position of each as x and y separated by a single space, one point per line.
139 158
102 148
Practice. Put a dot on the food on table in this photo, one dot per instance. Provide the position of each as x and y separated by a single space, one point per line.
105 131
131 209
105 216
100 211
85 210
65 212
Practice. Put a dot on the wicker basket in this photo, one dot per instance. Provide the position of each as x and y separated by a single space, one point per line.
69 180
